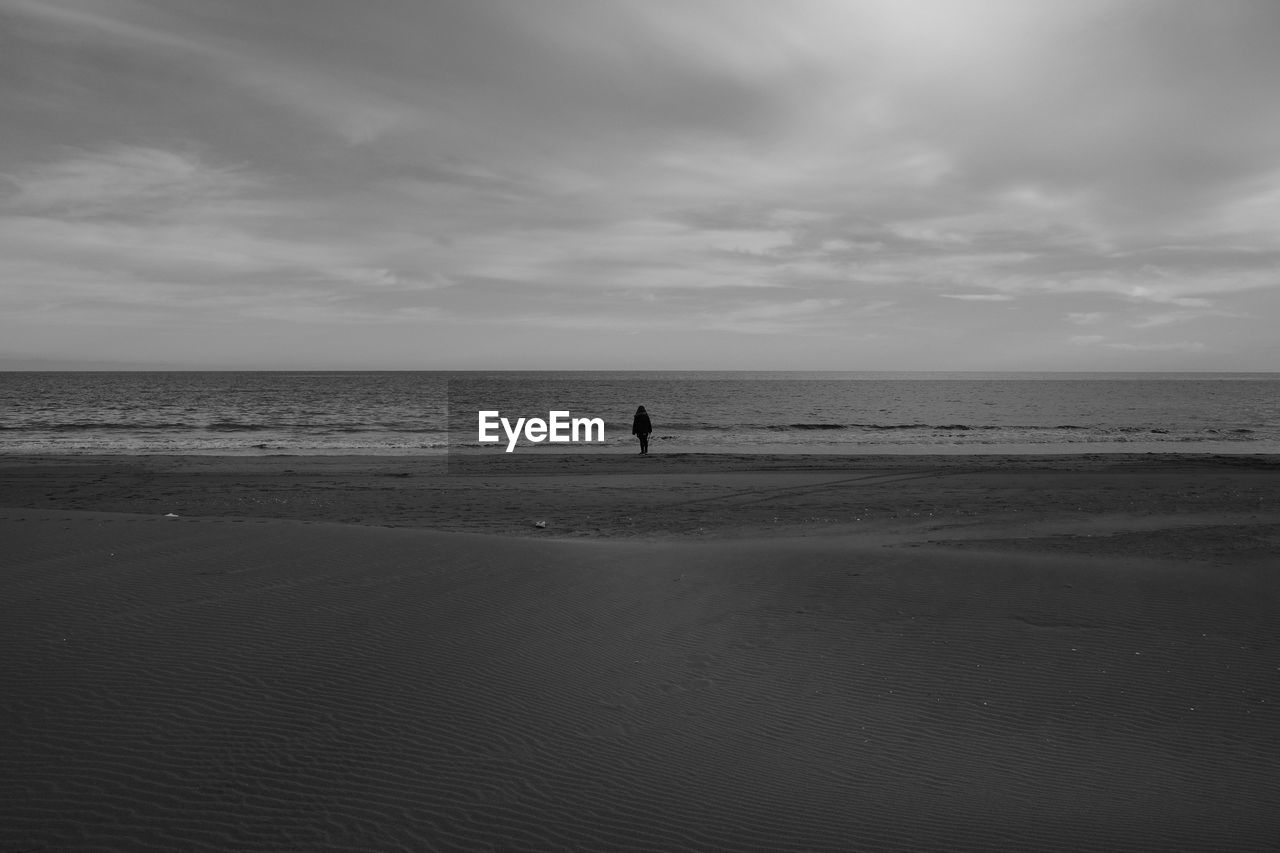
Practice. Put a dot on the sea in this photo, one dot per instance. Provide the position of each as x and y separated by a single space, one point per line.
431 412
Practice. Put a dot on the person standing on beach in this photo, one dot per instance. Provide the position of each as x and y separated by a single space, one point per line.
640 428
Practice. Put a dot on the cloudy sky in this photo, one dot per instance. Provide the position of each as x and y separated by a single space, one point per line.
434 184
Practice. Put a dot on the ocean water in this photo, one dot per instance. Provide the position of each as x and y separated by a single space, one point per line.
432 412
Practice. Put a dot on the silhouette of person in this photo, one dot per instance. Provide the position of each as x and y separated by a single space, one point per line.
640 428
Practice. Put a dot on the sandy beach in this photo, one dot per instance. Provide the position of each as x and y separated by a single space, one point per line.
684 652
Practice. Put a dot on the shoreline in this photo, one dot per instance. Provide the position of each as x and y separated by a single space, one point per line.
660 447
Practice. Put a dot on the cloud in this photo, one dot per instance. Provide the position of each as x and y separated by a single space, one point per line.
1138 346
137 225
978 297
355 112
776 317
1165 319
117 181
1178 346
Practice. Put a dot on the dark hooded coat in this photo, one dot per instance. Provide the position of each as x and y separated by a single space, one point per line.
640 424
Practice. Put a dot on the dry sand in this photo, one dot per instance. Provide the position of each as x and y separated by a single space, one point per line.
697 653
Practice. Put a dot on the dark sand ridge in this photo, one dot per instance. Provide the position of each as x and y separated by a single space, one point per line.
966 680
680 495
